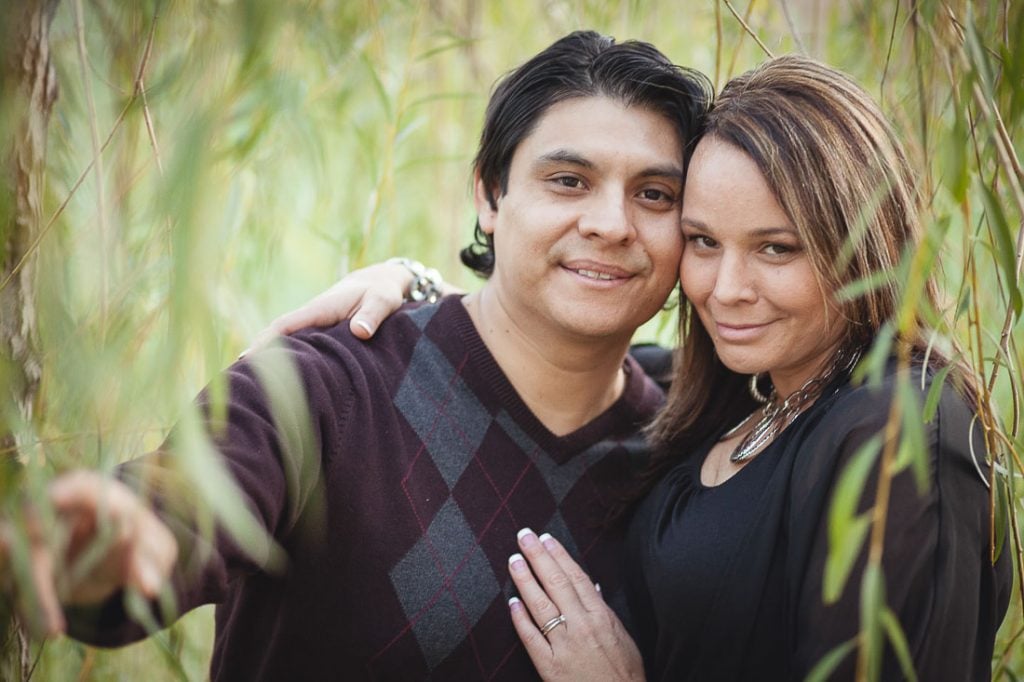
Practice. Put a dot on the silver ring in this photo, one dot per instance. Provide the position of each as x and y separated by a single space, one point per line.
552 624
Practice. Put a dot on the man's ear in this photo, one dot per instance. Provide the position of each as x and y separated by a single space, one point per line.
486 213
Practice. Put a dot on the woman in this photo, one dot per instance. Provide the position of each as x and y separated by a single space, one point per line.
797 189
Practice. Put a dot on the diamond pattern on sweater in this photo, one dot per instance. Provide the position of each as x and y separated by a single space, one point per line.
445 583
451 425
498 480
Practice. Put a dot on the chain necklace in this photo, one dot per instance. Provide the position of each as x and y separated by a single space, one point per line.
776 416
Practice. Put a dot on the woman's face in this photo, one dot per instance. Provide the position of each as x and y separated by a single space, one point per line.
747 274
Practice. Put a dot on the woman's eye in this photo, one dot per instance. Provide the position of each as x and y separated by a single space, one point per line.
702 240
778 249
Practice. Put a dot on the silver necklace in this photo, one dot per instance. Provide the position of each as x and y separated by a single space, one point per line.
776 416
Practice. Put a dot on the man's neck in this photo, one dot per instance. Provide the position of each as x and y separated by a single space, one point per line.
566 381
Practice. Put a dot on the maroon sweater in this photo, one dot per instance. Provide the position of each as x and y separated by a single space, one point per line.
398 509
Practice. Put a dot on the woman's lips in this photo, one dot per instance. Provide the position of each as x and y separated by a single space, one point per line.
739 333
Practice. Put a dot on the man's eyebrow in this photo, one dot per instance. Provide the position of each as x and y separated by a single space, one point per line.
667 171
568 156
564 156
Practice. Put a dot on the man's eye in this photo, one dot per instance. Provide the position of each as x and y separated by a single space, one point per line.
569 181
656 195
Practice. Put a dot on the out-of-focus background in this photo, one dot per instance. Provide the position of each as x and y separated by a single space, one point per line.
191 169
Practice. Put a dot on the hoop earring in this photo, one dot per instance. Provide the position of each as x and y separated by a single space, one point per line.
755 393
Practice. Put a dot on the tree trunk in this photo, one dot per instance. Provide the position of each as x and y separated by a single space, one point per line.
28 90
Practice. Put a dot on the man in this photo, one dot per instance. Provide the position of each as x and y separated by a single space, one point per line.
397 495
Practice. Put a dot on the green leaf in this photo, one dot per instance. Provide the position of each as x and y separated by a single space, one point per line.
858 288
899 643
1004 245
913 446
872 600
1002 506
931 403
977 55
956 170
872 367
139 609
846 529
824 668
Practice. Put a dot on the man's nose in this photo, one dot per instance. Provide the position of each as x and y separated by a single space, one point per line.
607 217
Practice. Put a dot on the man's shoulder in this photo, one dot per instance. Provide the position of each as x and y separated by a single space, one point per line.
402 329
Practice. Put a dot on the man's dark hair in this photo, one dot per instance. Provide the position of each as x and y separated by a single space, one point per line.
582 64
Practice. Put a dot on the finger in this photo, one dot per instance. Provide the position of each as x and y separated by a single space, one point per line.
589 593
45 588
372 310
324 310
309 315
537 645
38 602
154 551
539 598
552 577
78 490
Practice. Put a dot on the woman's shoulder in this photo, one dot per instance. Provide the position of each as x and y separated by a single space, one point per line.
929 402
931 389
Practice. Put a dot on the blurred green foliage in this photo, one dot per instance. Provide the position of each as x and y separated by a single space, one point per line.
256 150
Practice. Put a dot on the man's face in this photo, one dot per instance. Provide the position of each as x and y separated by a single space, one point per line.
587 237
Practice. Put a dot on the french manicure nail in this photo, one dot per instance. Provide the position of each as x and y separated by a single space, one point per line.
364 325
547 540
526 537
517 563
514 604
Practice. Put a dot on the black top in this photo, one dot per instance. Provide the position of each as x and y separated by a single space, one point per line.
726 583
685 514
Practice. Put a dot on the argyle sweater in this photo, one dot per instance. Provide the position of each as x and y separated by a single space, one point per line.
398 508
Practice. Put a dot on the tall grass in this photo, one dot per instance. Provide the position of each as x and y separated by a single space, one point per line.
254 151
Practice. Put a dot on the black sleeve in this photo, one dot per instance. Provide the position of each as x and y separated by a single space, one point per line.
938 579
655 361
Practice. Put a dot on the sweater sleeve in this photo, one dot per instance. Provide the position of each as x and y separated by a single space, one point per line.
283 415
938 579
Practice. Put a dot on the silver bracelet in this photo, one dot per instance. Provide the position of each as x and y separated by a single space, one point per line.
426 282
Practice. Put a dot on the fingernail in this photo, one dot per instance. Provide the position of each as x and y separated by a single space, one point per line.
149 578
243 354
514 604
547 540
597 586
363 324
517 563
526 537
55 624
